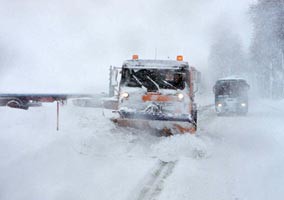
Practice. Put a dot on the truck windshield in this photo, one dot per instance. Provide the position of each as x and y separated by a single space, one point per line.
154 79
231 88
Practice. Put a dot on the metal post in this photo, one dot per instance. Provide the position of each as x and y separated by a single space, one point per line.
57 117
111 89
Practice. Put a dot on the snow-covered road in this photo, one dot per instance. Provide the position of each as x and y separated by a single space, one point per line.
230 157
244 162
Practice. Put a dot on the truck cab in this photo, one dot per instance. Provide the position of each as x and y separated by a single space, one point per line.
157 94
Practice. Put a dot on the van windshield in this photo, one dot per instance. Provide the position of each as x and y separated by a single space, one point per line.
154 79
231 88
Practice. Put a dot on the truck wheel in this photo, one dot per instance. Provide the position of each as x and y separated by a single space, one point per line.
17 103
194 117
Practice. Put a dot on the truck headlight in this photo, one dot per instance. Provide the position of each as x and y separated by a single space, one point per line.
219 105
124 95
180 96
243 104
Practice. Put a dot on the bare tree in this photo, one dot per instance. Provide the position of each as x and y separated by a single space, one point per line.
267 46
226 53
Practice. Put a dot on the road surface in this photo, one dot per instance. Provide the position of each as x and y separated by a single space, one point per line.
89 158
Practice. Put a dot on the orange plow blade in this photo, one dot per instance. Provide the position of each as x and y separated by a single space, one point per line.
168 127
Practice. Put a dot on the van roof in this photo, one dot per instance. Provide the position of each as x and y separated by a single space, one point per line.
154 64
231 78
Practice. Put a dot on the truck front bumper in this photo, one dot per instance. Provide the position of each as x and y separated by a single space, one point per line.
178 123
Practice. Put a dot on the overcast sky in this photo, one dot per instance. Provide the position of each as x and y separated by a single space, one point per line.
68 45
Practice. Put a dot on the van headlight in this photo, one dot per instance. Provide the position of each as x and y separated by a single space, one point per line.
124 95
219 105
180 96
243 104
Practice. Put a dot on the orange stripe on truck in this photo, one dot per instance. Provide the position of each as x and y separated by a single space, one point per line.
157 97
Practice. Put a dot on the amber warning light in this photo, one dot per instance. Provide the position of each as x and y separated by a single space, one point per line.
135 57
179 58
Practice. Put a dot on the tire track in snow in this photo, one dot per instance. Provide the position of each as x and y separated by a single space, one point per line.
152 184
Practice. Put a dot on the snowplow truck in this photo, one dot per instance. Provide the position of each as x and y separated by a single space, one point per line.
231 96
157 94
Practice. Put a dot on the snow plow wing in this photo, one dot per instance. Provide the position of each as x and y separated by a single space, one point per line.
27 100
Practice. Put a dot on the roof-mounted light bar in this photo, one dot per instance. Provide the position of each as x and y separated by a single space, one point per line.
135 57
179 58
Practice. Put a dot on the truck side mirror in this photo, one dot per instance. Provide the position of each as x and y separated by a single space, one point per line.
114 80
